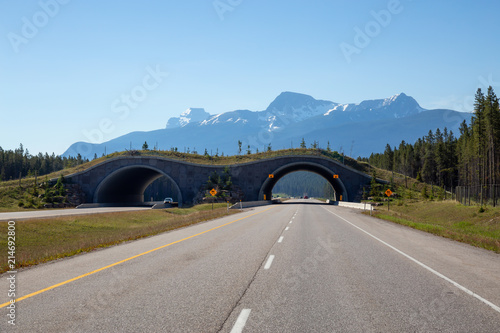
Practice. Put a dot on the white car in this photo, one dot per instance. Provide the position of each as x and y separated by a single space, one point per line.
168 200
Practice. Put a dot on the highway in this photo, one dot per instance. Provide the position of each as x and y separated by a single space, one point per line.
285 268
50 213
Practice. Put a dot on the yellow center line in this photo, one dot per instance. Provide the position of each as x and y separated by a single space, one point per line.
125 260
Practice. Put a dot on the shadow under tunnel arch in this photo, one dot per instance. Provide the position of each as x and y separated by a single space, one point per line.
268 185
126 185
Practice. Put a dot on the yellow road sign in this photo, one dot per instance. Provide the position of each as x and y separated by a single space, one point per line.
213 192
388 192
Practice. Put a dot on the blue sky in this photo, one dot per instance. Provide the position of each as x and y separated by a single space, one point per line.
66 65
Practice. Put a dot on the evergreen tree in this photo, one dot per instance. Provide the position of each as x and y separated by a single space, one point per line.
472 159
225 180
388 158
374 187
213 181
424 192
479 139
60 186
21 163
492 140
303 143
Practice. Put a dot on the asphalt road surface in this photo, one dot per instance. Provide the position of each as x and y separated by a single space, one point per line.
42 214
283 268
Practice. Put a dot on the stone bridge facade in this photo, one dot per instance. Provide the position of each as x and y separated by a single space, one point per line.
123 180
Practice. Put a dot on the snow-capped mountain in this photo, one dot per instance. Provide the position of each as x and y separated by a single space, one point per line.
401 105
360 128
191 115
289 108
397 106
233 117
292 107
288 102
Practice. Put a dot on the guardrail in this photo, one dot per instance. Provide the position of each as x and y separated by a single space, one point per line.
356 205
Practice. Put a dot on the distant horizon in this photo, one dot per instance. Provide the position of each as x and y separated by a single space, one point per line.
71 67
211 115
324 99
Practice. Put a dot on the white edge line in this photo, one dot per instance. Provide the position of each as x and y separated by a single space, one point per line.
456 284
269 261
280 240
241 321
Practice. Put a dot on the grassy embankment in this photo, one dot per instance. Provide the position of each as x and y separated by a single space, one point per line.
39 241
424 207
468 224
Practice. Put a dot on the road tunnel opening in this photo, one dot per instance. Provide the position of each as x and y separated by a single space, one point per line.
303 184
127 185
161 188
296 173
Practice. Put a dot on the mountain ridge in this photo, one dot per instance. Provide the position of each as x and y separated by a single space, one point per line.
288 118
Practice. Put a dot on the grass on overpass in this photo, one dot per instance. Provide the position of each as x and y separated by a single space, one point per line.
13 192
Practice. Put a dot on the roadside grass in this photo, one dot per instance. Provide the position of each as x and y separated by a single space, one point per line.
43 240
449 219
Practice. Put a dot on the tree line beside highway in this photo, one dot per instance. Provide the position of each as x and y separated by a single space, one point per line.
20 163
440 158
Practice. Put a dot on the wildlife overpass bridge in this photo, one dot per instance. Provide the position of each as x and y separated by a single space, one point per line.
123 180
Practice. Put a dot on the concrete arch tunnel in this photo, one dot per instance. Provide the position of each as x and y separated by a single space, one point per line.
339 188
126 185
122 180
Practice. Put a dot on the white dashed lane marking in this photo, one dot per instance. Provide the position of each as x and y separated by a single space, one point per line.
241 321
269 262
